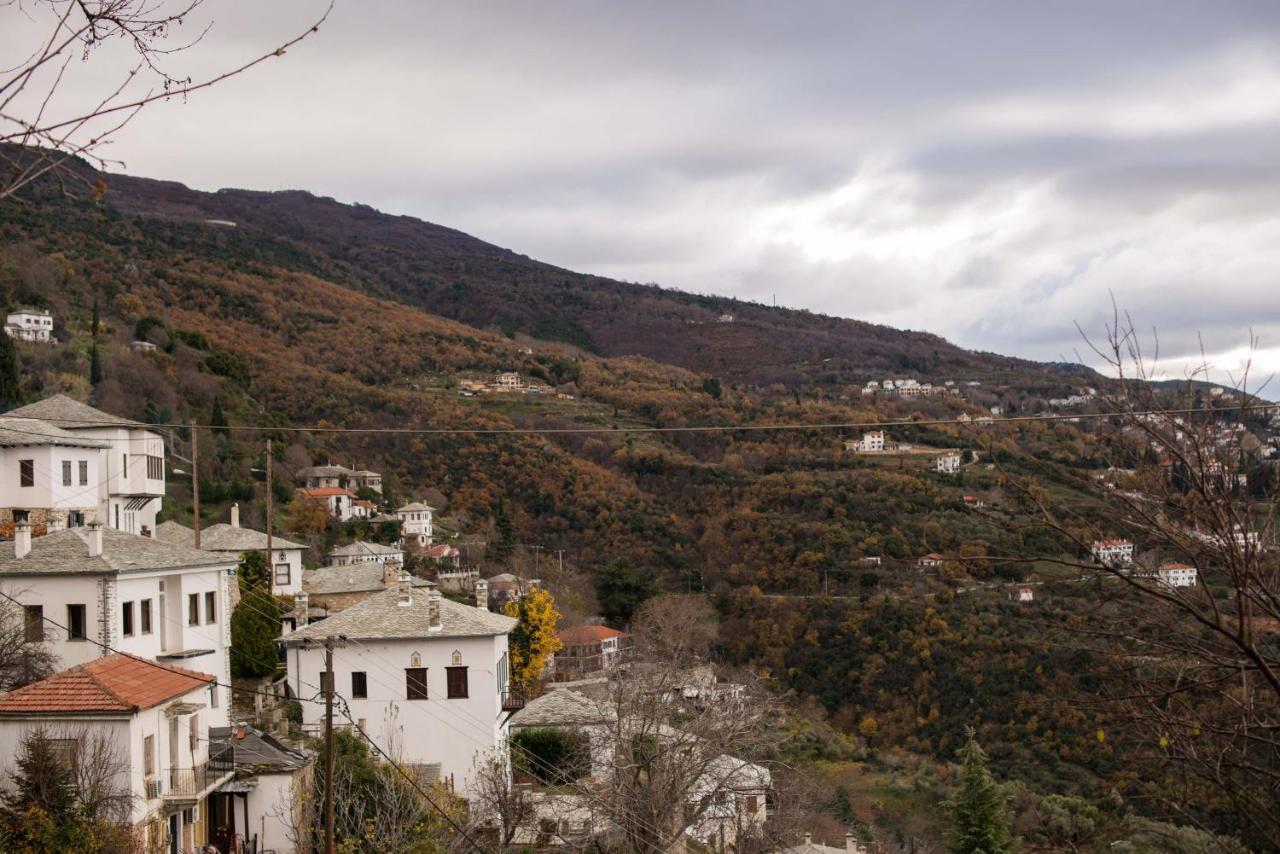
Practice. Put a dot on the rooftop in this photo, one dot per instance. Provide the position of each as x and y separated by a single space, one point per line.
258 751
65 412
360 548
15 432
587 634
415 507
324 471
381 617
115 683
356 578
221 538
560 708
67 552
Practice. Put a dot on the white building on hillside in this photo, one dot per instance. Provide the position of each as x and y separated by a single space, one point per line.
362 552
29 324
425 677
415 524
230 542
337 500
1112 552
1177 575
83 589
130 484
48 474
948 463
155 719
872 441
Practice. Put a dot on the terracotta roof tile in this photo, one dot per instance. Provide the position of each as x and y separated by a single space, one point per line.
588 634
115 683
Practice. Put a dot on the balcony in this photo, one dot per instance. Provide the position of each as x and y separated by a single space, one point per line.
185 786
512 701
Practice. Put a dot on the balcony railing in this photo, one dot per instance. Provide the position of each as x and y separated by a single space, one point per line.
512 701
191 783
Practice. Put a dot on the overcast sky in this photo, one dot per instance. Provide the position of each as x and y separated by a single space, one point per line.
985 171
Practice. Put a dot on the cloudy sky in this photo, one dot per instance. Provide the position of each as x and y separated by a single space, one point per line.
988 171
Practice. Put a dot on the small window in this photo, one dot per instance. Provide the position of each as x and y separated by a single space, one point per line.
125 470
66 472
282 574
26 472
213 696
415 683
149 755
64 751
75 622
126 619
210 607
155 467
456 678
359 684
33 627
753 803
193 609
84 472
144 616
193 732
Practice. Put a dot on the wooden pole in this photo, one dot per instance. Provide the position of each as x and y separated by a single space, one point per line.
327 685
195 482
271 560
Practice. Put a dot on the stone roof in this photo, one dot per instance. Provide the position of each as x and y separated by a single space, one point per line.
256 751
221 538
66 552
382 617
415 507
355 578
15 432
560 707
114 683
323 471
503 578
360 548
63 411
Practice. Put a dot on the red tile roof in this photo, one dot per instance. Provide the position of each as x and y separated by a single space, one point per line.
116 683
588 634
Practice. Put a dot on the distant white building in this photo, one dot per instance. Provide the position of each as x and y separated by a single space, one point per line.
362 552
29 324
948 463
1112 552
1177 575
508 381
338 501
415 523
872 441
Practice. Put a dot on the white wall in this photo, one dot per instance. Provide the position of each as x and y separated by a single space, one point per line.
435 730
47 490
270 803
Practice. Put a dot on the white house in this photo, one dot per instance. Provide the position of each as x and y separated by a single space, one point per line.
508 381
29 324
872 441
425 677
1112 552
48 474
151 720
130 478
948 463
332 476
362 552
415 524
1177 575
338 501
106 588
931 559
230 542
263 803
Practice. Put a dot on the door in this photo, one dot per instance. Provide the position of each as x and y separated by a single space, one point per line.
174 776
175 833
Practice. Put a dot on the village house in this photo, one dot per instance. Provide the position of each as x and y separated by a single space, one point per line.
931 559
230 541
87 589
506 587
808 846
49 475
323 477
142 347
1112 552
155 721
1176 575
424 677
458 580
508 381
328 591
1025 594
359 479
338 501
29 324
974 502
444 555
872 442
261 805
585 650
415 524
129 483
948 463
363 552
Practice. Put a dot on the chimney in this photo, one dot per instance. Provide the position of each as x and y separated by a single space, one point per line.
433 610
56 523
95 538
235 515
301 608
21 539
406 590
391 573
851 845
808 839
482 594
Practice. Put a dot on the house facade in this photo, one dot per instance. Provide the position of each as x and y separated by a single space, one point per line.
948 463
29 324
338 501
230 542
48 475
363 552
1177 575
872 442
426 678
152 720
415 524
1112 552
585 650
261 805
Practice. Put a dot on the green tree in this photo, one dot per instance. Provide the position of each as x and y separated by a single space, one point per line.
253 572
96 373
621 589
255 625
711 386
10 384
218 420
41 811
96 323
980 819
504 539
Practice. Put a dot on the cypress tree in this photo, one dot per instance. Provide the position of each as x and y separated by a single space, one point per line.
96 320
96 374
980 822
10 384
255 625
218 420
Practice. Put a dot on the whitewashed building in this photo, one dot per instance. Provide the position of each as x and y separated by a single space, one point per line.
1177 575
48 472
230 542
29 324
264 803
415 524
872 441
1112 552
362 552
948 463
425 677
337 500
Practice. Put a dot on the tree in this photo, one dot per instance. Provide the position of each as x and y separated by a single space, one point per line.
306 515
252 572
10 381
42 130
218 420
499 803
255 625
96 373
533 641
979 817
95 322
621 589
504 539
21 661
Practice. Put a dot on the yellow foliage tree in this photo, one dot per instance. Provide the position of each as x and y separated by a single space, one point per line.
533 641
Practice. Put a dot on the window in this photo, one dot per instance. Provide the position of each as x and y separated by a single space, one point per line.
84 472
125 470
66 472
359 684
502 673
33 626
75 622
155 467
193 609
752 803
210 607
26 472
149 755
193 732
213 696
415 683
64 751
456 679
282 574
126 619
144 615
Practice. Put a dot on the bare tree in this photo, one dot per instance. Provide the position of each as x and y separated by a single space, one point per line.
23 658
1195 680
500 804
42 129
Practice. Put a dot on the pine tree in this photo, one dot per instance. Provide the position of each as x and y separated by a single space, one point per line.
218 420
504 542
981 824
252 572
42 810
255 625
10 384
96 374
96 322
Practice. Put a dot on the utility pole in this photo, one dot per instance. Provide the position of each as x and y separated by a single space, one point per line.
195 482
560 555
271 560
326 684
